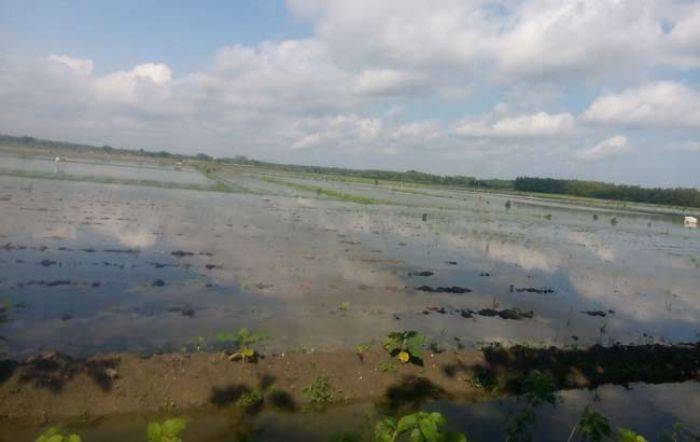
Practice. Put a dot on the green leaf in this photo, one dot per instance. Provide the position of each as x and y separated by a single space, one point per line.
429 429
384 430
594 426
173 427
407 423
627 435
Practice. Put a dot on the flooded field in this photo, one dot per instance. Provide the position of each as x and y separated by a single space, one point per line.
321 265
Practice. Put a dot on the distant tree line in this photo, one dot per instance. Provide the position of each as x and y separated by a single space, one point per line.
594 189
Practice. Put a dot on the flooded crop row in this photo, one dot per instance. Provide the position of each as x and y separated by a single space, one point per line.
89 268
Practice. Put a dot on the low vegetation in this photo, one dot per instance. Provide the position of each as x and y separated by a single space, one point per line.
55 434
405 345
319 391
243 341
419 427
169 430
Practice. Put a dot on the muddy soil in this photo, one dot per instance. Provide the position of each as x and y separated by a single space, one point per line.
54 386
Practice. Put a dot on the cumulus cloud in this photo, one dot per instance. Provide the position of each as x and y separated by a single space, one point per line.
126 86
611 147
661 104
532 125
390 82
562 38
79 65
443 63
336 131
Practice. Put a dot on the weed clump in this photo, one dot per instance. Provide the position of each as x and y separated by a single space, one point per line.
319 391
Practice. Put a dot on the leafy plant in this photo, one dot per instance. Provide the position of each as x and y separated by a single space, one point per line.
166 431
319 391
250 400
594 426
361 349
420 427
626 435
538 389
405 345
387 367
243 340
520 426
54 434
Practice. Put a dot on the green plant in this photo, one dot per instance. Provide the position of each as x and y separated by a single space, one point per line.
361 349
243 340
420 427
538 389
53 434
626 435
319 391
345 437
405 345
250 400
594 426
166 431
520 426
387 367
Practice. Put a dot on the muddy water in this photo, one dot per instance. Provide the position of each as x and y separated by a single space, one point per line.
93 268
656 409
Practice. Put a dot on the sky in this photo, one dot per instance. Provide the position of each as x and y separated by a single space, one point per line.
588 89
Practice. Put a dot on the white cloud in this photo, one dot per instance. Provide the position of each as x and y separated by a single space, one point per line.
389 82
533 125
339 130
553 38
79 65
661 104
611 147
332 97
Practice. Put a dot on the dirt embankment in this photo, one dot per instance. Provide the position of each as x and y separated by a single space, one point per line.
56 387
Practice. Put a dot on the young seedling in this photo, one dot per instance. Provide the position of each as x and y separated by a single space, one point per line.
361 349
626 435
405 345
594 426
243 340
166 431
54 434
319 391
420 427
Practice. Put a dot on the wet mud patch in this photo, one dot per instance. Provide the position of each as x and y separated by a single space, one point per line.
540 291
455 290
512 314
423 273
599 313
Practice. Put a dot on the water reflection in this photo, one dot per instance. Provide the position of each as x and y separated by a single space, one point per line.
286 264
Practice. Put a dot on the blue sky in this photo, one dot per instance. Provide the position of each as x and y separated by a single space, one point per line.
596 89
125 33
